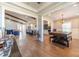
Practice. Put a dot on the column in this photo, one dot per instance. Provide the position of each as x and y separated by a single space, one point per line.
24 31
52 26
22 36
22 28
40 28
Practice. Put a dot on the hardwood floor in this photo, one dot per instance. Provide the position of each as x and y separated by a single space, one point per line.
31 47
15 51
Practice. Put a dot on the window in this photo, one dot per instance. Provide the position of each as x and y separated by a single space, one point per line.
66 27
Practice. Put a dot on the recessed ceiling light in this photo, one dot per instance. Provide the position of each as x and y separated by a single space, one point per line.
75 5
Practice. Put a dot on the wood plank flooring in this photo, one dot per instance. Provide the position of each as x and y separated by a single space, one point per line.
31 47
15 51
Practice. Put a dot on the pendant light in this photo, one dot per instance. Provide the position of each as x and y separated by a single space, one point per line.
62 20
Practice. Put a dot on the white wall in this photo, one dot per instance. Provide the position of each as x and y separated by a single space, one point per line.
0 22
2 25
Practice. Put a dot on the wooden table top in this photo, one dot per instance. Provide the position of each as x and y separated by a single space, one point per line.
59 32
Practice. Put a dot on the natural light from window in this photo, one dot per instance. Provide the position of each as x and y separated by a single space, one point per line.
66 27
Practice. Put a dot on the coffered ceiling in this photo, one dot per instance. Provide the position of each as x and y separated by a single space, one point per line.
51 9
39 5
69 11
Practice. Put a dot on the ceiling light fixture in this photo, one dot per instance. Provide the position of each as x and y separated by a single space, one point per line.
38 2
75 5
